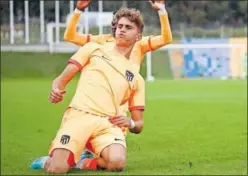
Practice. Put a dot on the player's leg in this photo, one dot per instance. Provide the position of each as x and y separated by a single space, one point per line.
87 159
110 146
60 162
39 163
70 141
115 156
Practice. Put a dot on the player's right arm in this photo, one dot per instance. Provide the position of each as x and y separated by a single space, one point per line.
59 84
71 34
75 64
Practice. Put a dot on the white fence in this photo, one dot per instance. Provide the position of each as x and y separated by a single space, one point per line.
12 30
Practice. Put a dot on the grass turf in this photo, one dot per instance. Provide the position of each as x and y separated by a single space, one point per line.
191 127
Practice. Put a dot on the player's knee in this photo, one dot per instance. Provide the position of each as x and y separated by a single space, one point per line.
117 163
58 163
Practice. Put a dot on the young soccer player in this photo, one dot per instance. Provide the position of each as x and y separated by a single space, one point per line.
107 38
93 112
145 44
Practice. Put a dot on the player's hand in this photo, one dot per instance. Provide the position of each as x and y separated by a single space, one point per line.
56 95
120 121
82 4
157 5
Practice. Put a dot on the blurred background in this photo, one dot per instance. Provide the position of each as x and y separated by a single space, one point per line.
38 26
196 106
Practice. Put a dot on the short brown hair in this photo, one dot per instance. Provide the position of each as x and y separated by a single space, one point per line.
130 13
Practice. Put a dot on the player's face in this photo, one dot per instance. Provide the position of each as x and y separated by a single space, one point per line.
127 32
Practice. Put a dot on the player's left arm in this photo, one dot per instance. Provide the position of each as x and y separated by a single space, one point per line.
136 108
137 121
154 42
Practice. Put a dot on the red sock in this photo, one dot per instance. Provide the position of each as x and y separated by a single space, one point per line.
90 163
70 160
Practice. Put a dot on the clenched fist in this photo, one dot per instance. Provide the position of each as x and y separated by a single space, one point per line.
82 4
157 4
56 95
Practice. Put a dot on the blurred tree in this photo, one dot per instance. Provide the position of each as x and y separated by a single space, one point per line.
243 11
196 13
217 12
4 11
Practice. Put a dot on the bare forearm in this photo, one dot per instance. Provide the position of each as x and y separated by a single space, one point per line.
59 83
62 80
137 118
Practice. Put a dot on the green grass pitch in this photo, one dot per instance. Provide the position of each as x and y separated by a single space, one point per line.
191 127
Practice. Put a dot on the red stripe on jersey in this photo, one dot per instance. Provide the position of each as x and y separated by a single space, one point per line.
88 38
150 44
132 108
72 61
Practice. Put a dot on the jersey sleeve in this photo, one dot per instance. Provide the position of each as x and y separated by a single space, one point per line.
82 56
154 42
137 99
71 34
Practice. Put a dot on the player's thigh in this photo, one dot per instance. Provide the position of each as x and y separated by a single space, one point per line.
110 142
74 133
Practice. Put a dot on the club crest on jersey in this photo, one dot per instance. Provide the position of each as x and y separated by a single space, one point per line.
129 75
65 139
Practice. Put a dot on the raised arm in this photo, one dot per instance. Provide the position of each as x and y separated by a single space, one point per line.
71 34
154 42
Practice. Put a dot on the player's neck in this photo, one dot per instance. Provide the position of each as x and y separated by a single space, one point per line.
123 50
